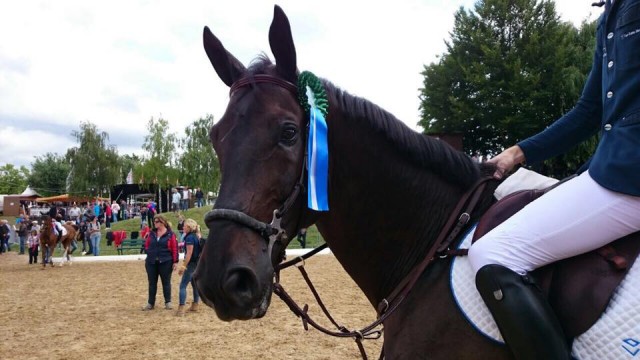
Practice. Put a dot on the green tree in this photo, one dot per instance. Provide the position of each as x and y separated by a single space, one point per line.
511 69
13 180
159 161
128 163
94 163
199 165
49 174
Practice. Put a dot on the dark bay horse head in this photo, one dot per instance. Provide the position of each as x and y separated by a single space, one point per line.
390 189
260 144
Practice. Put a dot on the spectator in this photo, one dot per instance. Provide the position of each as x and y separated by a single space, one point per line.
151 212
97 209
143 216
23 232
115 209
124 214
35 226
74 213
83 236
107 215
162 258
199 197
192 245
5 232
186 196
175 201
62 211
32 243
94 235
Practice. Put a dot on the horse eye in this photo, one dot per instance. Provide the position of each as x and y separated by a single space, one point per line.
289 134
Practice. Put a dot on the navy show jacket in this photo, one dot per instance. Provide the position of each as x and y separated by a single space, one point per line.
610 103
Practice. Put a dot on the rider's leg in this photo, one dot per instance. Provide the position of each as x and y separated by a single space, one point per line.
576 217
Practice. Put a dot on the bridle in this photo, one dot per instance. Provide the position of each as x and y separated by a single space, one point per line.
273 231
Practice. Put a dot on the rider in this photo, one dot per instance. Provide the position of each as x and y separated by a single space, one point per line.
58 228
595 208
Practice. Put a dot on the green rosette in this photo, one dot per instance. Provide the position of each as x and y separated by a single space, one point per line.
308 79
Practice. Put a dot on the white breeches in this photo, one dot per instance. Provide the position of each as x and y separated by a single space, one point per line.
59 228
576 217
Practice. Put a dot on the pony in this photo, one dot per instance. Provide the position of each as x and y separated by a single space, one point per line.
391 191
49 241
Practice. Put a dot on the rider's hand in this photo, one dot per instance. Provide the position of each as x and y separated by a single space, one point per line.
506 161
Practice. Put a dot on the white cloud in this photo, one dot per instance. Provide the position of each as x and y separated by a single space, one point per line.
119 63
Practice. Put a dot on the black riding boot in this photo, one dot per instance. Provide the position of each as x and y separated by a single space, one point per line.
525 318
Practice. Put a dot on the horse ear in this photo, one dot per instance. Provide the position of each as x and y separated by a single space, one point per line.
282 46
229 69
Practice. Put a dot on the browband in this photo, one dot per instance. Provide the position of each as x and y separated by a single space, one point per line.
263 78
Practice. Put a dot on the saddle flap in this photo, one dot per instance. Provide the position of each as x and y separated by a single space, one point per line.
579 288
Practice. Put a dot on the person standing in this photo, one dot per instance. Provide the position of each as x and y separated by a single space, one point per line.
199 197
32 244
23 233
74 214
143 216
5 232
192 254
161 247
151 212
588 211
94 235
97 210
115 209
175 201
185 198
107 215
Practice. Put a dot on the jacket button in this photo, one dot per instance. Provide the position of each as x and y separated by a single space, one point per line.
609 94
610 64
607 127
610 35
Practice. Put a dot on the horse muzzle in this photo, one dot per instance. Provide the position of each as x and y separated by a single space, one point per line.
237 295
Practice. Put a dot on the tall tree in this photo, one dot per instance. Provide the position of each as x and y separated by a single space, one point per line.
94 163
49 174
199 165
159 161
511 68
13 180
128 163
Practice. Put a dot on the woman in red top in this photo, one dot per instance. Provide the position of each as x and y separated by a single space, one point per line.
162 258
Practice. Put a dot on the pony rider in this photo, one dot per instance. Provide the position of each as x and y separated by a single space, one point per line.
58 229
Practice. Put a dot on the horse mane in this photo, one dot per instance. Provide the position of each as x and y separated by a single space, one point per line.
431 153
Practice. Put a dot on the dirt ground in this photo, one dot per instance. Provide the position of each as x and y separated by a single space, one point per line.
92 311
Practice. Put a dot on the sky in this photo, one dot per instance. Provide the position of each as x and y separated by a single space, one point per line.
119 63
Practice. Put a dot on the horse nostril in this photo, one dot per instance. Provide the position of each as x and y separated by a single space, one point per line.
241 286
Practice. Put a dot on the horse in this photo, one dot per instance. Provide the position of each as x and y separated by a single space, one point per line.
49 241
391 191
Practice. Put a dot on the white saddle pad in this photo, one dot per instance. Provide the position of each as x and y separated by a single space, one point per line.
616 335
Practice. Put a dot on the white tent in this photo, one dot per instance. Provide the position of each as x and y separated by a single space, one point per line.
29 192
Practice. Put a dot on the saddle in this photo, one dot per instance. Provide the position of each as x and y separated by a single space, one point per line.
578 288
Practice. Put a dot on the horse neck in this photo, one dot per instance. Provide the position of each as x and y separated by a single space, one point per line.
385 211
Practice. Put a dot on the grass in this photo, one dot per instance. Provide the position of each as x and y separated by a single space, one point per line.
314 238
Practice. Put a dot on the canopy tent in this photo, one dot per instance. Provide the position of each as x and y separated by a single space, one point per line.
29 192
70 198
